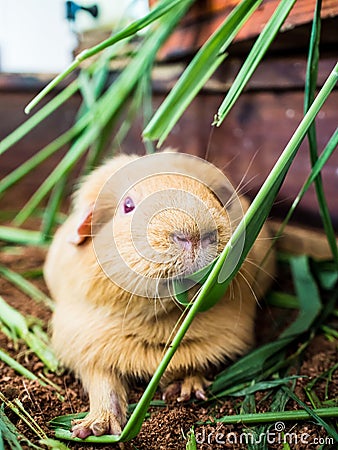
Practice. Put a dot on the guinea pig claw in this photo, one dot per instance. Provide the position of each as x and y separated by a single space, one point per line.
182 391
105 423
171 391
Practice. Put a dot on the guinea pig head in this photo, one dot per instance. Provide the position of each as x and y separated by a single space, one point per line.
164 227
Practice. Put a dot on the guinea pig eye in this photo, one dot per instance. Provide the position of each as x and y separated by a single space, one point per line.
128 205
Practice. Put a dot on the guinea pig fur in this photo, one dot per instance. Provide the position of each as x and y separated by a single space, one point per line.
110 335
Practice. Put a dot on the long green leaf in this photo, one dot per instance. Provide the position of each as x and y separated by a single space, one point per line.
18 325
203 65
19 236
8 433
43 154
277 416
314 413
161 9
256 54
308 296
17 366
310 89
25 286
315 171
33 121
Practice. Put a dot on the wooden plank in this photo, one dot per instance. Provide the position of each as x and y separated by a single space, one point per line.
285 72
205 17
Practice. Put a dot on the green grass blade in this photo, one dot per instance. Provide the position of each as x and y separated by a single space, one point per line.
33 121
19 368
256 54
18 325
191 441
19 236
308 296
310 89
316 169
25 286
251 365
282 300
17 407
61 170
8 433
50 214
314 414
53 444
263 386
277 416
203 65
313 58
43 154
161 9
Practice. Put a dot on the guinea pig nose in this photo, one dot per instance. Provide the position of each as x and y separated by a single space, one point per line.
182 240
209 238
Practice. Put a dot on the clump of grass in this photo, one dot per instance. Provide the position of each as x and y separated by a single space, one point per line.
16 326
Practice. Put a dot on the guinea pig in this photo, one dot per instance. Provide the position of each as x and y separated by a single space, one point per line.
137 224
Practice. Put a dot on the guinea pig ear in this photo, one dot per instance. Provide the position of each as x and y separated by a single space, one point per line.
84 228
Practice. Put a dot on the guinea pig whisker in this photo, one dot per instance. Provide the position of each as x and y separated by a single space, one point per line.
240 300
240 272
261 269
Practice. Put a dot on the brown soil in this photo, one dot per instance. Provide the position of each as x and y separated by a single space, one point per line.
166 428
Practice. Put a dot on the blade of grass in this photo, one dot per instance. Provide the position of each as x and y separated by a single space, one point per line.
310 88
203 65
38 117
8 433
107 106
276 416
316 169
19 410
43 154
251 365
50 215
20 236
282 300
264 197
53 444
19 368
25 286
191 440
160 10
19 327
313 413
259 49
263 385
306 288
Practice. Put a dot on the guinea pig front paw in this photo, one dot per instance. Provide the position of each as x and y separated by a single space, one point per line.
182 391
97 424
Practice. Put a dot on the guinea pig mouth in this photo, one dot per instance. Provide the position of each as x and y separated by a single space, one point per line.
189 265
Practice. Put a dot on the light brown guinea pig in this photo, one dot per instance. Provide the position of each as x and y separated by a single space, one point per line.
137 224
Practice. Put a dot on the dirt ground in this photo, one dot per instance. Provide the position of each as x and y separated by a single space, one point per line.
167 427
